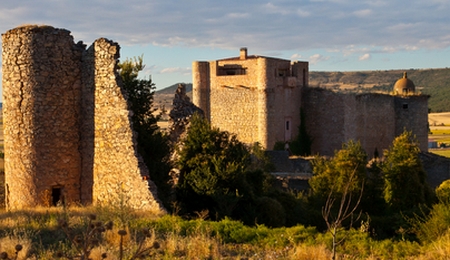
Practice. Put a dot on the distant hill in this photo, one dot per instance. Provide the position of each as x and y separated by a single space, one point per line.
163 98
433 82
171 89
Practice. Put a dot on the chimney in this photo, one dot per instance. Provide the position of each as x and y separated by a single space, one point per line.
243 53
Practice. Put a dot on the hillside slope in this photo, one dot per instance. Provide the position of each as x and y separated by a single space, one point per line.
433 82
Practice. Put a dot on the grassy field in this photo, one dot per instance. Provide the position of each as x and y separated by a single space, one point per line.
120 233
440 132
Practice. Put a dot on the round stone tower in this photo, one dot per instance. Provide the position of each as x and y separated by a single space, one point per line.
41 99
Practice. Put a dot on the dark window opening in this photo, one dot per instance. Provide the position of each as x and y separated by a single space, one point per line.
287 125
56 196
283 73
405 106
231 70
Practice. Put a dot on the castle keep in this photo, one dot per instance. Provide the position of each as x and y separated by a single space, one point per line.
67 127
256 97
259 99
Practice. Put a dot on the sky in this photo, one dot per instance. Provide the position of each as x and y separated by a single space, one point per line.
332 35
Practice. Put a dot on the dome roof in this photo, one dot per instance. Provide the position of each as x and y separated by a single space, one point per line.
404 86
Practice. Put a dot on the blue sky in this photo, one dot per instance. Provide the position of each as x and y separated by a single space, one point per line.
333 35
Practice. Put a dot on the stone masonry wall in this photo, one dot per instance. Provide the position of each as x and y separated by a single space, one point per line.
41 97
412 115
324 119
234 105
255 103
373 119
119 172
67 124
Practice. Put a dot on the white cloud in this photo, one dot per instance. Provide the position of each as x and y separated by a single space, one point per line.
303 13
296 56
365 56
178 70
363 13
316 58
275 25
271 8
238 15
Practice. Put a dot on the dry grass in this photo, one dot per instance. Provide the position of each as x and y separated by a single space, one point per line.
9 245
302 252
437 119
27 228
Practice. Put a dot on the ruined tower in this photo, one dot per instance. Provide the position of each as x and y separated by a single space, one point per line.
67 127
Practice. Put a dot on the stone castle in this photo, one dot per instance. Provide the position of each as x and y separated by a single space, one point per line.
259 99
67 127
68 135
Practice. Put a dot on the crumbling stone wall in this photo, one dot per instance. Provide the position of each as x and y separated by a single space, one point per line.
68 132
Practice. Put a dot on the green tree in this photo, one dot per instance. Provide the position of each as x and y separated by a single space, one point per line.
342 177
333 175
152 143
443 191
219 174
405 185
212 165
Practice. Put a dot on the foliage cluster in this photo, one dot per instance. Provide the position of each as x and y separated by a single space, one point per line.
391 189
222 177
153 144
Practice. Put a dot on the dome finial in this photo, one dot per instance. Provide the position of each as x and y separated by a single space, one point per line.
405 76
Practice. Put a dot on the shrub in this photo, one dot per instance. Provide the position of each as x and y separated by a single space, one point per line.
443 191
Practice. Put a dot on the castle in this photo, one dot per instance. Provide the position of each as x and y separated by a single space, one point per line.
68 136
259 99
67 127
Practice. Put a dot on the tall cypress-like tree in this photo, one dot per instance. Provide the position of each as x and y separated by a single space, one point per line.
405 185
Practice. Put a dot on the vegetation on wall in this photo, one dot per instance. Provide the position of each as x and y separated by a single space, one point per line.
301 145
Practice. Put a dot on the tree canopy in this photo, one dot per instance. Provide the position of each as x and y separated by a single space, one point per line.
221 175
152 143
405 185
